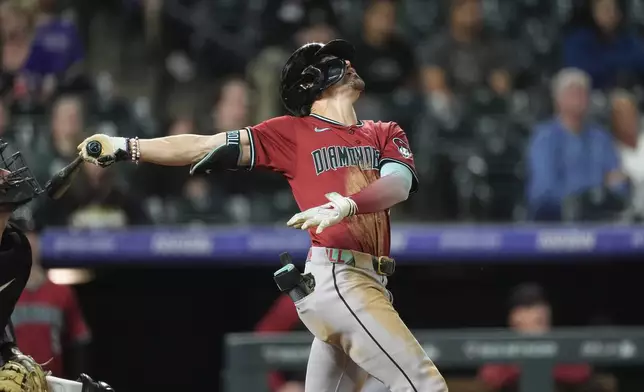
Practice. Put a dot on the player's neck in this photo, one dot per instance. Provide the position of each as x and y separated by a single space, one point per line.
336 110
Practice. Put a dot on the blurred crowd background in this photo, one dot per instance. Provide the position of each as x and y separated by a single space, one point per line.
516 110
493 94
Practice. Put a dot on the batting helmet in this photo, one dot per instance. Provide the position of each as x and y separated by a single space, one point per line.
17 184
310 70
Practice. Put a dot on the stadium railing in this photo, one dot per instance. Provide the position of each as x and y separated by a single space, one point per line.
412 244
250 357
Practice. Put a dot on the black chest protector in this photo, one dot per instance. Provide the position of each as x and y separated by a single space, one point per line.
14 247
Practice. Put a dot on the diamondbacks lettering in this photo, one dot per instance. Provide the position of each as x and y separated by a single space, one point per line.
335 157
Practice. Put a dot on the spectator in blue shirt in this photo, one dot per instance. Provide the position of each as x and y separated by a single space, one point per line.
41 52
610 53
568 155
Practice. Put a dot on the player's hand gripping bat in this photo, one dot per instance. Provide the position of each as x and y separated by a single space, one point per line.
58 185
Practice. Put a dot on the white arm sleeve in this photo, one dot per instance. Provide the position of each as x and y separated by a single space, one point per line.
397 169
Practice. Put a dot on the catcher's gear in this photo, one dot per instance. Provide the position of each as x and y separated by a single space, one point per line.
84 384
338 208
224 157
310 70
112 149
90 385
22 374
17 183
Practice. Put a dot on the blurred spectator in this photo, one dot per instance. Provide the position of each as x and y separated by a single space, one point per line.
232 105
606 49
95 200
59 148
465 57
283 19
164 187
17 21
568 155
264 71
530 314
383 59
41 53
627 130
48 321
155 180
57 51
5 132
112 114
187 199
231 111
199 203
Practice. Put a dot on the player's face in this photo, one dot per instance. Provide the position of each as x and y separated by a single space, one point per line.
350 84
531 319
352 78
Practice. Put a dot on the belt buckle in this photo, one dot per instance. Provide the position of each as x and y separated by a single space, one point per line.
385 265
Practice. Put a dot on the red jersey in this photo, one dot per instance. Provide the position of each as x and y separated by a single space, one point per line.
46 320
318 155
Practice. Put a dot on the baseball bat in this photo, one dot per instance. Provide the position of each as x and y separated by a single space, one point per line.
60 183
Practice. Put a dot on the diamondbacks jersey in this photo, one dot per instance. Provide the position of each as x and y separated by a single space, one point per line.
318 155
46 320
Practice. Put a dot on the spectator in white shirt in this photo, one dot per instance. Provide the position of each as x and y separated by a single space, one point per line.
626 125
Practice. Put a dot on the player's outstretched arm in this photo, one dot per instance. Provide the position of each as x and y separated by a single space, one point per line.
177 150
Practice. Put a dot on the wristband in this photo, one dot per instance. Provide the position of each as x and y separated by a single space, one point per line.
133 149
353 207
120 143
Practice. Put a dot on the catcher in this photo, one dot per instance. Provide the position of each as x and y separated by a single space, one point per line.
19 372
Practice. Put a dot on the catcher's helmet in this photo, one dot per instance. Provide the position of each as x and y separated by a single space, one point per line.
17 184
310 70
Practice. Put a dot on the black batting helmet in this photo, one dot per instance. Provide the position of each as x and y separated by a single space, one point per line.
17 184
310 70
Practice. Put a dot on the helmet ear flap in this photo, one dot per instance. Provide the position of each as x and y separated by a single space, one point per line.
312 78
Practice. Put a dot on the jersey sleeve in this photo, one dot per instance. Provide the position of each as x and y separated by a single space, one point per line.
272 145
396 149
76 328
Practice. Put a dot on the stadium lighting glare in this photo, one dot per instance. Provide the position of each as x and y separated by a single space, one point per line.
70 276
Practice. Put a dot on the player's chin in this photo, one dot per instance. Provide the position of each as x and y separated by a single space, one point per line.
357 84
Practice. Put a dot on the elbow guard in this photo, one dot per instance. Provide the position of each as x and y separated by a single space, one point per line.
224 157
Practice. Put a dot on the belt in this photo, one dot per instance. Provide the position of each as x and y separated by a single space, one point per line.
382 265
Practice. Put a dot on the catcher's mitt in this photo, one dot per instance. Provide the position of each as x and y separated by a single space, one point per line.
22 374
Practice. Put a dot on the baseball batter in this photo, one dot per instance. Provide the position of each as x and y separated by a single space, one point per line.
345 175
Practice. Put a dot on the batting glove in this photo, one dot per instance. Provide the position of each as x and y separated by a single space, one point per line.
113 149
329 214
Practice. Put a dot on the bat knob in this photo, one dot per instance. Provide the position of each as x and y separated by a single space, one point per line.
94 149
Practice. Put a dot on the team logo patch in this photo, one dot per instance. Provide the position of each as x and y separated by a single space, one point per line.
403 148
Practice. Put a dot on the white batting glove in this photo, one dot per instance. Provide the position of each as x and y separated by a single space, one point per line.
338 208
112 149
